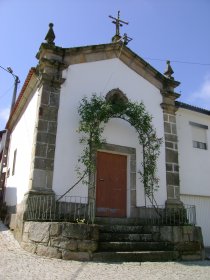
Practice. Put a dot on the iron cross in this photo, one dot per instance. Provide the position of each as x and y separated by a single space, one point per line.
118 22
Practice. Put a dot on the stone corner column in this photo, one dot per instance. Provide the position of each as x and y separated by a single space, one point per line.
171 149
43 153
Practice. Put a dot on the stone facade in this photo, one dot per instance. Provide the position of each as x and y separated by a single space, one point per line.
187 240
79 242
52 61
171 147
172 165
60 240
42 163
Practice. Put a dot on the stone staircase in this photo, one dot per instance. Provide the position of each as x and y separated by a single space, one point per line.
130 240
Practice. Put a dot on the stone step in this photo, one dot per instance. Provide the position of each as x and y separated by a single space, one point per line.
107 236
134 246
119 221
134 256
124 229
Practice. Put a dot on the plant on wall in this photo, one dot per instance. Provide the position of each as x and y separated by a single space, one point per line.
95 112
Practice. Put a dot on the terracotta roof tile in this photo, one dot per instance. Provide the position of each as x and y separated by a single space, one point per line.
28 78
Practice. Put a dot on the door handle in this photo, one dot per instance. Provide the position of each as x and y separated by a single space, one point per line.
101 179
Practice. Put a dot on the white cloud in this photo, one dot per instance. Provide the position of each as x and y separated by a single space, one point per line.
202 95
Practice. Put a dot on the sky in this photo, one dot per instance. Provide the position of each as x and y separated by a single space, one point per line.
175 30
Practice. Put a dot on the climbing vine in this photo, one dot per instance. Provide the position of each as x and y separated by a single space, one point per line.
96 111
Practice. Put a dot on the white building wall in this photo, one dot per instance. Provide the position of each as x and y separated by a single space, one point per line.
195 167
21 140
101 77
194 163
202 204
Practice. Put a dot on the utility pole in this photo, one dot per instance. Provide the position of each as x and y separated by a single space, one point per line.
14 93
4 155
17 81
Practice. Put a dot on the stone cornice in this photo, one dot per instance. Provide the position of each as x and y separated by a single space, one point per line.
53 58
168 104
84 54
46 48
113 50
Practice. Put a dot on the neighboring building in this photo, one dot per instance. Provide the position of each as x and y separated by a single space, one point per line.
44 142
193 131
3 163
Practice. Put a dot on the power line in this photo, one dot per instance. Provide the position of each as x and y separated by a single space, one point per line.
179 61
3 94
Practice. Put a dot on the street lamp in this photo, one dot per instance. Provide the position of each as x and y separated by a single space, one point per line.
17 81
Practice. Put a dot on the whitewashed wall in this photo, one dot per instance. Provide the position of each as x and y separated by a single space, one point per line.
194 163
195 168
22 140
101 77
202 204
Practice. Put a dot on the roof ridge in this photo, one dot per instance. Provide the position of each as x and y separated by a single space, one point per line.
192 107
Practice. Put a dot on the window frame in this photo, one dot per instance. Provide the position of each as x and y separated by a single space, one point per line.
199 144
14 162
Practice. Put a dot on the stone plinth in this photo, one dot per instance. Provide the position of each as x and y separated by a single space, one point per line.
69 241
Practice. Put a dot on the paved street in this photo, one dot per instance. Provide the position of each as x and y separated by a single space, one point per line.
17 264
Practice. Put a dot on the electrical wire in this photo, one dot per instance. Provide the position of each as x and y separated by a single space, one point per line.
3 94
180 61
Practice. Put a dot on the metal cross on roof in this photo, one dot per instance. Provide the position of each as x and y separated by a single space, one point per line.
118 22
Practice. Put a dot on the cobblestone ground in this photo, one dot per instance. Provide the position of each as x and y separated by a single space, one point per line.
16 263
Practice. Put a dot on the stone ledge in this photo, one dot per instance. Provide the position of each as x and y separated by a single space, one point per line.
79 242
64 240
47 251
29 247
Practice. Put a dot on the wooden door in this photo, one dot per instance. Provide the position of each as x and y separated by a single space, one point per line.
111 185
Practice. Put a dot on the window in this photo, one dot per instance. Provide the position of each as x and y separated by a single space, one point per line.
14 162
199 145
199 136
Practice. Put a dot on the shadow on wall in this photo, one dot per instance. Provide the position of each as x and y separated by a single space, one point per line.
9 206
3 227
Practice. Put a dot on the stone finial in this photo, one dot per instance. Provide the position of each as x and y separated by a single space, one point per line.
126 39
50 37
169 71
